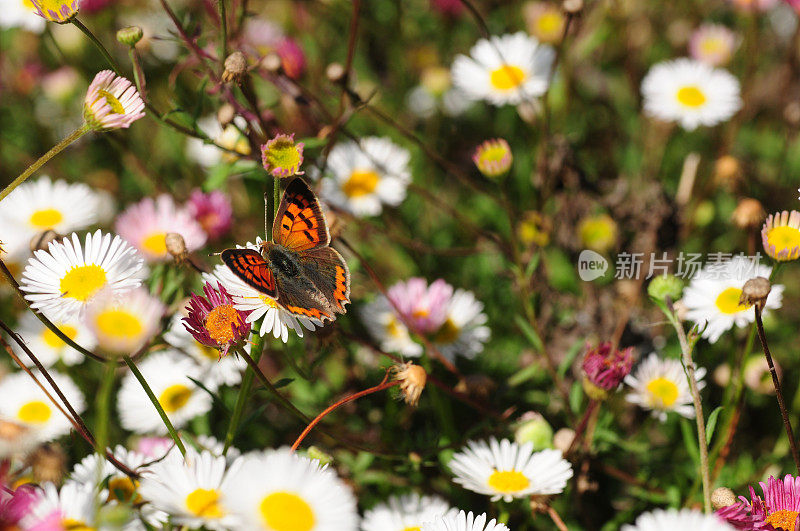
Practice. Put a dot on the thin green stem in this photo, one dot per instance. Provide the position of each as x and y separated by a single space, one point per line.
55 150
223 27
161 413
86 31
271 388
244 393
138 72
104 405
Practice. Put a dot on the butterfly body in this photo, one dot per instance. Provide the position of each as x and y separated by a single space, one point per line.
298 269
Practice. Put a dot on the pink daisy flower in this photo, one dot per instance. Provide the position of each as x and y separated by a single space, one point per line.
712 44
212 211
214 321
145 225
422 307
16 504
606 368
779 508
293 60
112 102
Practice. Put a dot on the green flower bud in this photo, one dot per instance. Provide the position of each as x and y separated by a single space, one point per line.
130 35
533 428
665 286
315 453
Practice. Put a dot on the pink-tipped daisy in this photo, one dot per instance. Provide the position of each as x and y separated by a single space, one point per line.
778 509
422 307
60 11
712 44
213 211
146 224
112 102
605 368
493 157
282 157
214 321
781 235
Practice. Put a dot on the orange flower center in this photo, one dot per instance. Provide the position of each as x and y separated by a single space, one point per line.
783 520
220 323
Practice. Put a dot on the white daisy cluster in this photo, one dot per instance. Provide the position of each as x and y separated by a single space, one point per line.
453 319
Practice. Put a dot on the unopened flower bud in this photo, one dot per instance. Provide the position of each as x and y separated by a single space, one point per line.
572 6
130 35
722 497
225 115
755 292
272 63
315 453
664 286
42 240
412 380
727 170
335 72
176 245
235 68
748 213
604 369
533 428
563 438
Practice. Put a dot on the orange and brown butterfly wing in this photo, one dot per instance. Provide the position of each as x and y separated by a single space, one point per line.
328 271
252 269
300 297
300 224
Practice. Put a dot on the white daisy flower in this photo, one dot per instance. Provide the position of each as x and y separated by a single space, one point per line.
15 252
25 404
146 224
193 489
401 513
62 280
712 297
294 493
75 506
387 329
114 485
464 332
464 522
507 470
661 386
224 370
365 175
231 137
509 69
124 324
21 14
36 206
691 93
168 375
274 318
671 519
48 347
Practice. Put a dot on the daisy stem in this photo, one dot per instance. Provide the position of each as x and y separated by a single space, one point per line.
223 29
99 45
778 392
380 387
164 418
271 388
55 150
686 354
104 404
556 519
244 392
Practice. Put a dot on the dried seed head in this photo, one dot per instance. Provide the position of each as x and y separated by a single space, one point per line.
43 239
176 246
748 213
412 380
727 170
48 463
225 115
722 497
755 292
235 68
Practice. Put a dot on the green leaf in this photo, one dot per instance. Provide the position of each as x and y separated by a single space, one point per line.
573 352
529 332
712 423
690 440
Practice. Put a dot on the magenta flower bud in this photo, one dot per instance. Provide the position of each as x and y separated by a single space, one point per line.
214 321
605 369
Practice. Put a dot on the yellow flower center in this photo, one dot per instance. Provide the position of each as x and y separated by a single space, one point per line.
784 239
123 489
47 218
28 4
174 397
119 324
507 77
728 301
81 282
34 412
549 22
420 313
783 520
204 503
209 353
508 481
447 333
493 153
70 524
691 96
267 301
112 100
220 322
285 511
413 528
55 342
361 183
156 243
711 46
283 155
394 328
663 392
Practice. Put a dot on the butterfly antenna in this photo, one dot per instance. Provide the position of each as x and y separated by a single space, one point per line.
267 215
